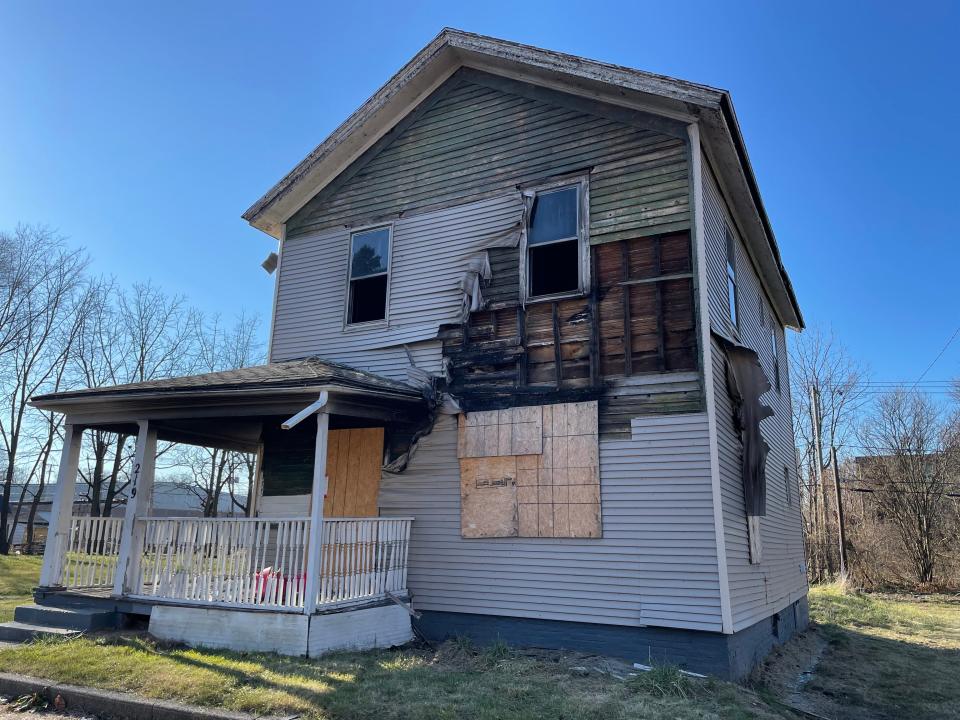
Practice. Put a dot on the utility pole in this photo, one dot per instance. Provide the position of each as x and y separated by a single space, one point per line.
841 531
816 422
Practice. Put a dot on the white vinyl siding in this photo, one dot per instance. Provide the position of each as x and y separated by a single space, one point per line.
655 564
430 254
757 590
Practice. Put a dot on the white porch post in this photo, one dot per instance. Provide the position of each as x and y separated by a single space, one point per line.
131 536
319 490
62 511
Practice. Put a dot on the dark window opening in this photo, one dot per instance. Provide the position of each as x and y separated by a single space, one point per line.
368 299
555 268
369 275
553 243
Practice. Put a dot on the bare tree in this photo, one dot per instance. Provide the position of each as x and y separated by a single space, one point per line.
829 393
916 456
127 336
46 312
209 472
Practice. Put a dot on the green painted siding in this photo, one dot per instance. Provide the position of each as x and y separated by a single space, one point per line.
483 136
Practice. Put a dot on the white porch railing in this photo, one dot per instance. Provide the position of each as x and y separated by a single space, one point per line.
256 562
233 561
89 552
363 559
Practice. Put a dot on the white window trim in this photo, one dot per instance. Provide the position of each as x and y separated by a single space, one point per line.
369 324
734 309
583 247
775 357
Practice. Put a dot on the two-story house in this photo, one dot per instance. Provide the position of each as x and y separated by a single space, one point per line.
528 348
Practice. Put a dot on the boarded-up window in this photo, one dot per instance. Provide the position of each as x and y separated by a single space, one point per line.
514 431
515 483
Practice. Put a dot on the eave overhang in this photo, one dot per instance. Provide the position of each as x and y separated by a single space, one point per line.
453 49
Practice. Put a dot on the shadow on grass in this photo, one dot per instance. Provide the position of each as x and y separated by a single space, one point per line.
866 676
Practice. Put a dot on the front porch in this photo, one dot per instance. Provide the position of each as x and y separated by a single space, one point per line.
243 563
292 556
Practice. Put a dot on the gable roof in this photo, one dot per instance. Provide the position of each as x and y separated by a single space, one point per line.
681 100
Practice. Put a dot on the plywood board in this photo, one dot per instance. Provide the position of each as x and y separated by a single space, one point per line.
488 492
354 459
552 493
499 433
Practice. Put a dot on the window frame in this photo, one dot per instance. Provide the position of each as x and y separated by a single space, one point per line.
733 308
775 355
348 299
581 182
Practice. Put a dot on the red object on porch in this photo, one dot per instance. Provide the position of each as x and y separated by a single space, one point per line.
262 579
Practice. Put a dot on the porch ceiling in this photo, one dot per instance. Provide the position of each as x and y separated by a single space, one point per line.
227 409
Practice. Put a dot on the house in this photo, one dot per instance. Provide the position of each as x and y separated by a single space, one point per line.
528 346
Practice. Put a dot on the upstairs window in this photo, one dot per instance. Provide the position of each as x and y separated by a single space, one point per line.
732 293
369 276
554 243
775 355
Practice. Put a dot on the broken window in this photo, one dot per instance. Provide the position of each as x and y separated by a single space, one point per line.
731 280
369 275
554 243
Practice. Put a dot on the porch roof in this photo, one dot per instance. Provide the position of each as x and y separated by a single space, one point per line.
185 406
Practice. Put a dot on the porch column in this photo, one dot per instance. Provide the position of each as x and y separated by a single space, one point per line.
62 511
319 490
131 536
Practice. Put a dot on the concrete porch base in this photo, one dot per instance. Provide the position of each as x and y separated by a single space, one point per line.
364 628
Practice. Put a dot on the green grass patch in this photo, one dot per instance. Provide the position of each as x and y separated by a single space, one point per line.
889 656
19 574
454 681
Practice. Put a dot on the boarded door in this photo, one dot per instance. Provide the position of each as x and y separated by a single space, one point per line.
354 459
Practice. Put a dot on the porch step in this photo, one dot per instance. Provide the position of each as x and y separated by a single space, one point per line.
69 618
22 632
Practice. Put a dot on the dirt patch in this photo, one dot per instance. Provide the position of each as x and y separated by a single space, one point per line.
788 670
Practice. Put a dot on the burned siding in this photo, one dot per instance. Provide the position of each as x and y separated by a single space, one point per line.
756 590
480 137
638 318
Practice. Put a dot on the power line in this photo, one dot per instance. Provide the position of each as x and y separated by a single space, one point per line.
939 355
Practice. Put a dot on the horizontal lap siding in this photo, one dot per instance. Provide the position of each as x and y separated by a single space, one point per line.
474 142
477 140
430 254
759 590
655 564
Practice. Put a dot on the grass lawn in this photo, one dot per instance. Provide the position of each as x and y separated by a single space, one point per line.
887 656
872 657
19 574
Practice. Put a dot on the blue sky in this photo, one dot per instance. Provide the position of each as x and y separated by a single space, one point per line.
142 133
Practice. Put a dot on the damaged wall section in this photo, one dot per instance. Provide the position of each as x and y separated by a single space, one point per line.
638 318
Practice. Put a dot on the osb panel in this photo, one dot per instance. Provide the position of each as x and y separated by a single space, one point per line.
354 458
555 493
496 433
488 494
